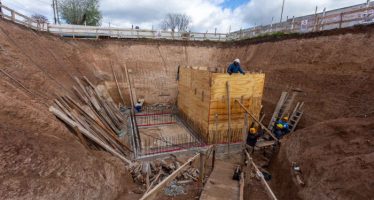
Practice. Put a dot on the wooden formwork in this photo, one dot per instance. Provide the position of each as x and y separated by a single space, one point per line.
203 94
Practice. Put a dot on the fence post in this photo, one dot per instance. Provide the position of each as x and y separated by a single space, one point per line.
323 19
229 116
293 23
315 20
341 20
13 14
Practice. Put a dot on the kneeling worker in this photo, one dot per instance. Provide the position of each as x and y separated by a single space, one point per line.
235 67
139 105
252 137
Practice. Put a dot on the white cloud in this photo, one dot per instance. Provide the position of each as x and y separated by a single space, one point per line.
205 14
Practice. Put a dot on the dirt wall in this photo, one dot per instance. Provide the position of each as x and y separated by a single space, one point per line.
336 159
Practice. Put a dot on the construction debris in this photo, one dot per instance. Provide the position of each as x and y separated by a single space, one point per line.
174 189
94 117
151 173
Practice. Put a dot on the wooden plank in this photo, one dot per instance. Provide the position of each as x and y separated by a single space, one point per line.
253 117
229 115
259 174
153 192
241 185
119 90
71 123
95 120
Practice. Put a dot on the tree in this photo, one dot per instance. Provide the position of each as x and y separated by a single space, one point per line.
40 19
175 21
81 12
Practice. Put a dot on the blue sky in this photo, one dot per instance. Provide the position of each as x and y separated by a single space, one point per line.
232 4
206 15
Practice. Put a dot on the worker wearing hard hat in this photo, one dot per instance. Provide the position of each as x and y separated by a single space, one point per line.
253 136
235 67
281 127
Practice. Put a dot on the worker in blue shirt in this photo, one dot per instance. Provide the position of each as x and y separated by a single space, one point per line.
235 67
281 127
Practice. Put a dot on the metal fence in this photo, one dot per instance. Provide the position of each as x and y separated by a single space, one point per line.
156 145
340 18
155 119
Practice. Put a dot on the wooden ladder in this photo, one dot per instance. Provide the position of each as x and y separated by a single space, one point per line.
296 116
284 111
279 106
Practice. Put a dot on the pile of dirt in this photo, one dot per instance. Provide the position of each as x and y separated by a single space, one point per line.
336 159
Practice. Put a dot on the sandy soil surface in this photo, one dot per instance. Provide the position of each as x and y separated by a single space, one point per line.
336 159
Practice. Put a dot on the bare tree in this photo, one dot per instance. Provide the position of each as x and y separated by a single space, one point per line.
175 21
40 19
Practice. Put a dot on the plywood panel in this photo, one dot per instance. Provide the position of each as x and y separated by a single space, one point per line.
246 88
194 97
202 95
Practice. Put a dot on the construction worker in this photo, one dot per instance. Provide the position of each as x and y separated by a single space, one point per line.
138 106
253 136
235 67
281 127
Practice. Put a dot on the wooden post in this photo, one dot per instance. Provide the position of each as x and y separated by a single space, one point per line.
245 133
268 190
216 128
241 183
229 115
214 140
201 170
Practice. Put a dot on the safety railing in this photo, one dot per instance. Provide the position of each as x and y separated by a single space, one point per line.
14 16
111 32
327 20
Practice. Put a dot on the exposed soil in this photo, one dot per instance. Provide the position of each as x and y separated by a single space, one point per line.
336 159
41 158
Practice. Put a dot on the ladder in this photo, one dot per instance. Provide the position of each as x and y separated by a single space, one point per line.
296 116
284 111
279 106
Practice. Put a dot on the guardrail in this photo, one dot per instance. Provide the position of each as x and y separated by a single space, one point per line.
356 15
12 15
96 32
